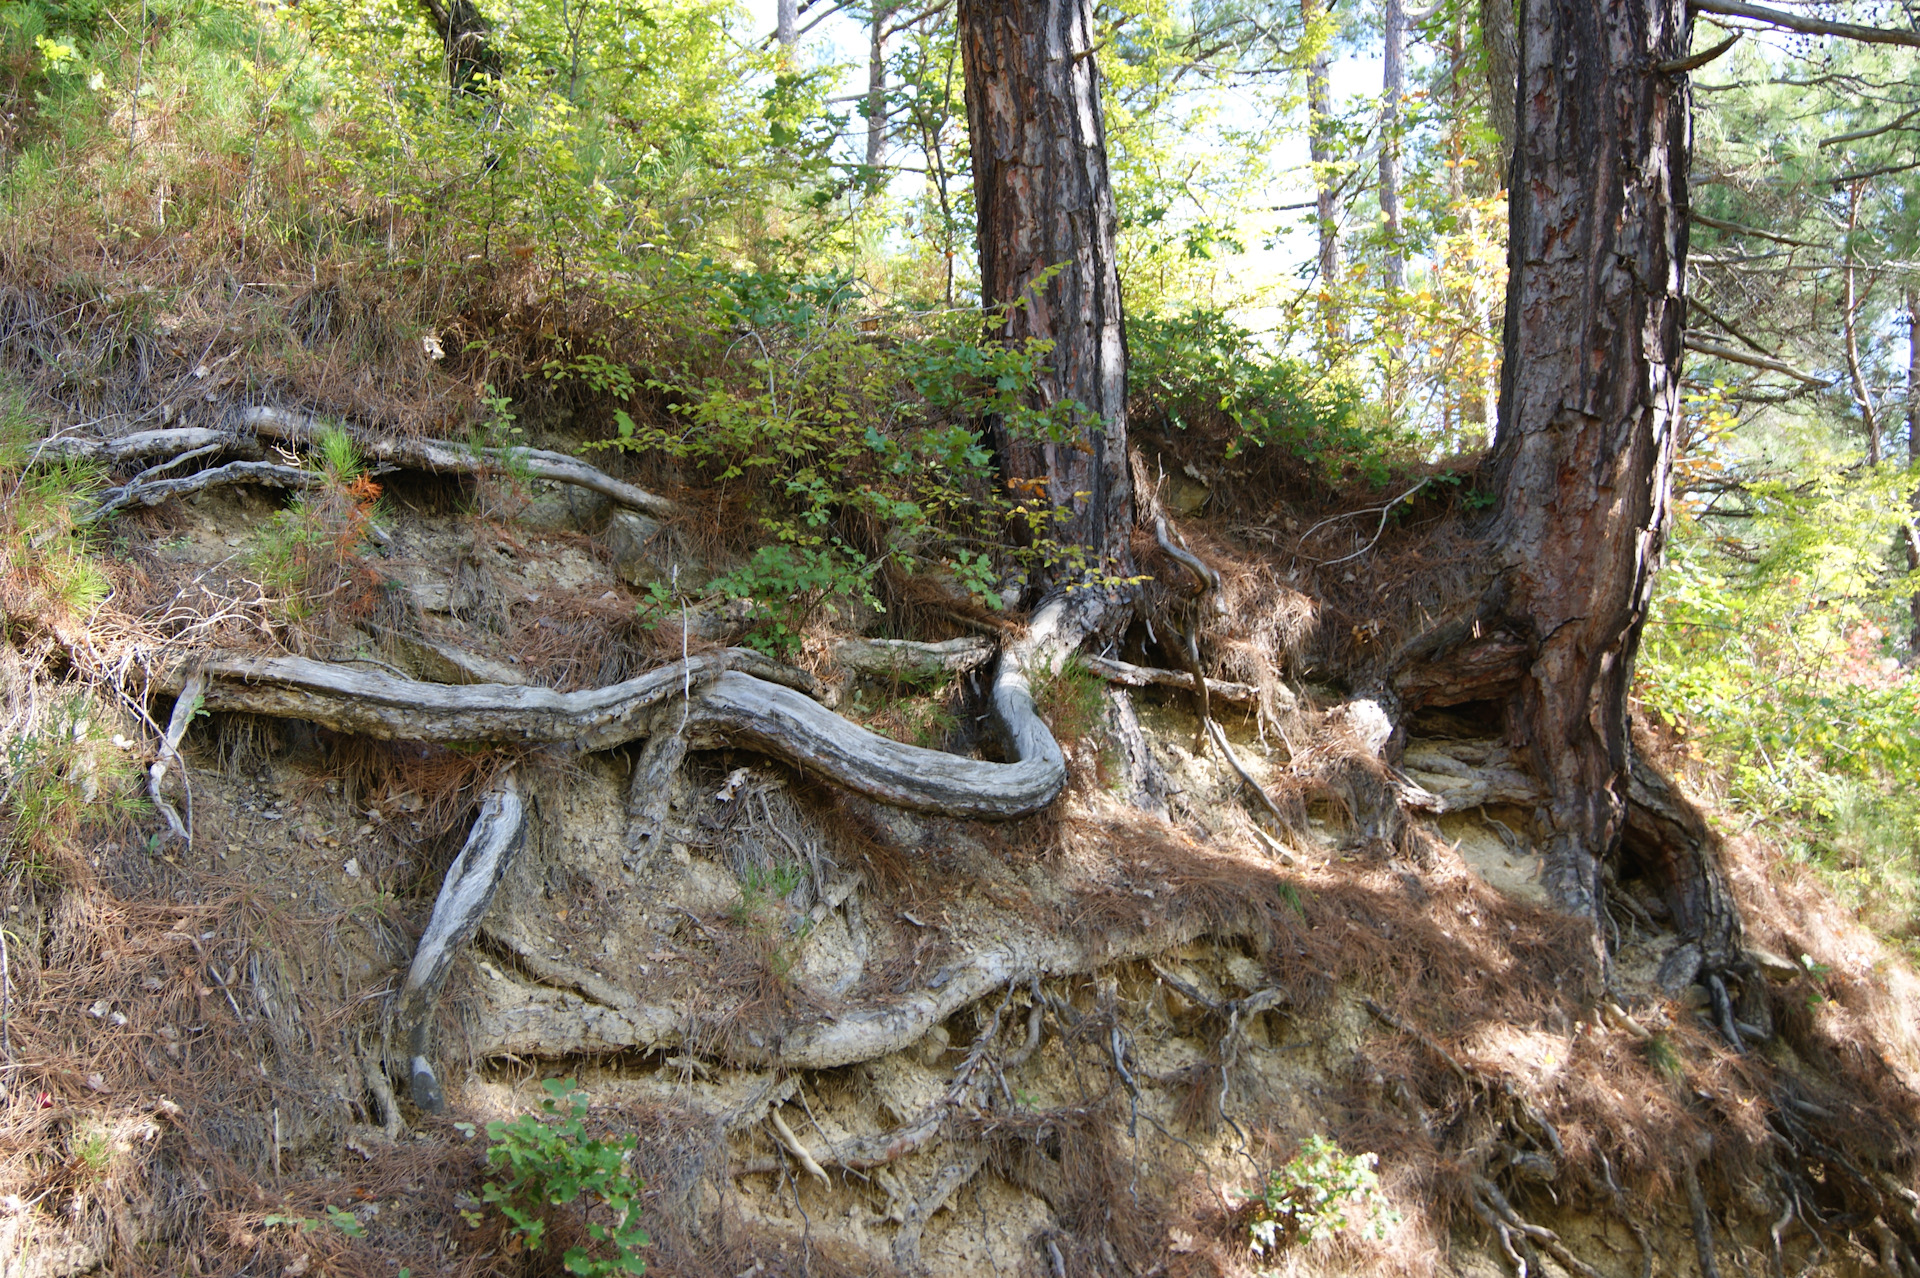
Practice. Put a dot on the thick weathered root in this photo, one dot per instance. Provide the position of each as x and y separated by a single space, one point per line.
440 457
435 456
499 832
145 443
143 491
739 710
388 707
910 661
650 795
720 705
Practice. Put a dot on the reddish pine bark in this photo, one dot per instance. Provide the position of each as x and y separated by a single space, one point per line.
1044 202
1590 395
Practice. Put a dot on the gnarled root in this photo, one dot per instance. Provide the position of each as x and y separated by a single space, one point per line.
435 456
720 705
498 833
145 491
440 457
650 794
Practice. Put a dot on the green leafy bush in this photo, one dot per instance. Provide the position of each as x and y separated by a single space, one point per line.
1198 368
1771 648
1323 1191
549 1161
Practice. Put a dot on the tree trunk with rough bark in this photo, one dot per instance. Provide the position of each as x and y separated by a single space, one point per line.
1047 257
787 22
1589 398
466 35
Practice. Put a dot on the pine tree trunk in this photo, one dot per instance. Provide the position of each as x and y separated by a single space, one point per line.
1393 87
1589 397
1043 201
876 105
1320 151
1913 457
465 34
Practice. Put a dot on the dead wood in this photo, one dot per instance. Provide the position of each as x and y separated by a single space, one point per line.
152 492
441 457
911 661
499 832
1114 671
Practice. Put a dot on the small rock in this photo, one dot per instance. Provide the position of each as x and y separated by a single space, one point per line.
567 508
934 1046
1185 497
638 548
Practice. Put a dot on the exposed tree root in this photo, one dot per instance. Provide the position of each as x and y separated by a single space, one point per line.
739 710
435 456
390 708
718 705
144 443
498 833
1508 1219
650 794
185 706
151 492
1702 1224
1141 676
547 1024
441 457
909 660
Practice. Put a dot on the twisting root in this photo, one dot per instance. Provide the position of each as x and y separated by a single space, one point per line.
719 705
498 834
153 492
1618 1200
793 1146
184 708
439 456
1548 1241
1702 1224
1501 1231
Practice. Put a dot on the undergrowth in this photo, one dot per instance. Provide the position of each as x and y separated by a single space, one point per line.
1773 654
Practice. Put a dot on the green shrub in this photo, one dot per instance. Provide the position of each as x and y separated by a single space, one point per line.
1199 368
1323 1191
549 1161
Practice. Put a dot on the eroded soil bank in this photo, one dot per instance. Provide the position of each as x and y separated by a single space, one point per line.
854 1039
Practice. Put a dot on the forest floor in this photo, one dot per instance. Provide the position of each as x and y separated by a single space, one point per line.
851 1039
